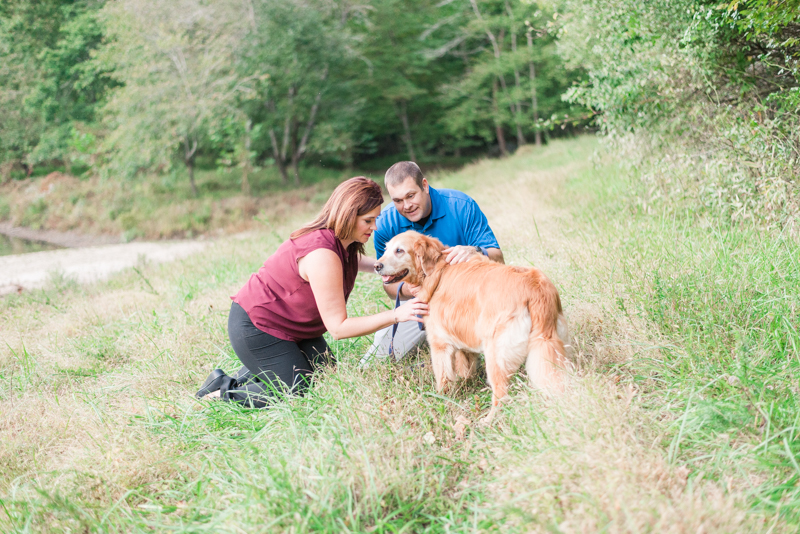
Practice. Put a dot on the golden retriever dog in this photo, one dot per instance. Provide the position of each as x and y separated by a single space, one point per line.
510 314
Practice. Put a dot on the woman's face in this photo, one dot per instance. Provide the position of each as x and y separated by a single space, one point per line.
365 225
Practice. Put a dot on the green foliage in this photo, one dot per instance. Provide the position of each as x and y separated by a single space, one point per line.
177 80
95 83
402 79
722 305
303 100
700 87
514 80
47 81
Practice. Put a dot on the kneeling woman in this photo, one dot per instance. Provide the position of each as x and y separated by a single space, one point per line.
277 319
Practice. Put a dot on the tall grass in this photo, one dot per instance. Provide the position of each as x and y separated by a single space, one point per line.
721 303
100 431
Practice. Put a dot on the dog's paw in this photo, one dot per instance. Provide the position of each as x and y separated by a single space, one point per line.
486 421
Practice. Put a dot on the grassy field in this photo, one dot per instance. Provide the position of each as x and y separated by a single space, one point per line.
682 415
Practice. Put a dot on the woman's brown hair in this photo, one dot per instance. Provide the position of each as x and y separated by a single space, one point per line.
351 198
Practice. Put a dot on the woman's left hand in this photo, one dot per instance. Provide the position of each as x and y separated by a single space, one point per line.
410 310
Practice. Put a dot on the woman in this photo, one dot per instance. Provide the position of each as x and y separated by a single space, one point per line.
277 319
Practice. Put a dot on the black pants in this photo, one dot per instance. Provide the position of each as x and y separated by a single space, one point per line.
272 366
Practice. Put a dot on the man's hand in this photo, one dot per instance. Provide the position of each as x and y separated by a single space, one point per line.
458 254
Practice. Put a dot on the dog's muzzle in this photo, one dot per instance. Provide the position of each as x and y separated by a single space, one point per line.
390 278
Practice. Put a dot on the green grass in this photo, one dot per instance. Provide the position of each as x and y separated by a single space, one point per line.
721 304
682 414
163 206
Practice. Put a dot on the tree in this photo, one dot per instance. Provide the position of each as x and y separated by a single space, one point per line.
401 80
493 95
178 78
302 102
48 84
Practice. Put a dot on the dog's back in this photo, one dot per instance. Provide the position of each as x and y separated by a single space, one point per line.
511 314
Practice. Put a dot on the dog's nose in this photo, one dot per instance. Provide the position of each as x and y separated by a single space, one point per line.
378 266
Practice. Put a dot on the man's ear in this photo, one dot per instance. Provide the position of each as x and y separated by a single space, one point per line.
426 255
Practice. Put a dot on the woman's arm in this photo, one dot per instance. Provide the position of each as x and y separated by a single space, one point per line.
323 270
366 264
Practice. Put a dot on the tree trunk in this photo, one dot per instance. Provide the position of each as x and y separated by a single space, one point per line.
298 151
295 148
276 150
534 100
287 126
403 113
276 153
188 158
248 127
518 115
498 127
190 166
496 47
296 169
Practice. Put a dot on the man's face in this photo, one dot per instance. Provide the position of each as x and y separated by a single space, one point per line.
413 202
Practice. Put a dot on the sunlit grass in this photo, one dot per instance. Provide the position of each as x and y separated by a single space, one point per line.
675 421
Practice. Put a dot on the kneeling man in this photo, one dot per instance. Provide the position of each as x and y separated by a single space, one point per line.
448 215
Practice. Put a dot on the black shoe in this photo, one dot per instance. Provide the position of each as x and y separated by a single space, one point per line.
243 376
212 383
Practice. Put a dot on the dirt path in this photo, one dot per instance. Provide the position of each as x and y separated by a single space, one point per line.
61 239
85 264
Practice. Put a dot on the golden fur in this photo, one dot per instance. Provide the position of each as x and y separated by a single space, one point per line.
510 314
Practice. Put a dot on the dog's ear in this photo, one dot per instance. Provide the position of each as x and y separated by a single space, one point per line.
426 253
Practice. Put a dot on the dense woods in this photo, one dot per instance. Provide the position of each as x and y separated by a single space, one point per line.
702 96
126 87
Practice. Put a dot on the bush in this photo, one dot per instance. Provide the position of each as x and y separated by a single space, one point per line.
697 97
35 214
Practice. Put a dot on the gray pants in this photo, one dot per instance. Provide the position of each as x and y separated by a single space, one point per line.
407 339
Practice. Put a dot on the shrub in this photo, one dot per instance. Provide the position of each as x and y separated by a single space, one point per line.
697 97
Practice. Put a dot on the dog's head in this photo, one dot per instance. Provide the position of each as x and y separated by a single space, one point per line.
409 257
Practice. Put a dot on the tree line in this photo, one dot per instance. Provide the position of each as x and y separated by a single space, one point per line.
709 90
128 87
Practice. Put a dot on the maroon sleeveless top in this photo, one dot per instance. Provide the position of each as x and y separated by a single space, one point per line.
279 301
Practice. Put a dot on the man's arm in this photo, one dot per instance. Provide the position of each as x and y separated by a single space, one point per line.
366 264
462 253
391 290
478 232
495 254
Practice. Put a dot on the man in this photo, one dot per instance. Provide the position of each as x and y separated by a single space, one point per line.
450 216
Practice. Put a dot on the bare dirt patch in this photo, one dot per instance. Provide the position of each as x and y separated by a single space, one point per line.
87 264
54 237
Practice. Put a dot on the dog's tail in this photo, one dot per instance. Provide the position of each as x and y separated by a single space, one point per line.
547 352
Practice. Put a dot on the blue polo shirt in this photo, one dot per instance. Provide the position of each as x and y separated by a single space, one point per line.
455 219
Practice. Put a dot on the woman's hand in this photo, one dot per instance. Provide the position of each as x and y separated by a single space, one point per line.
410 310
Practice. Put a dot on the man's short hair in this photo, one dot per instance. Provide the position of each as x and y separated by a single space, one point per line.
401 171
